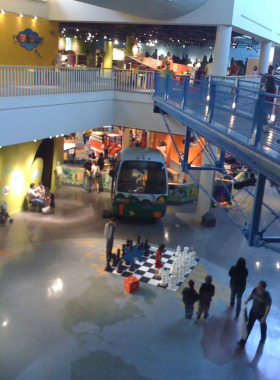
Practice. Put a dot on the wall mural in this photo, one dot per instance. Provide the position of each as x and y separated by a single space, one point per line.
29 40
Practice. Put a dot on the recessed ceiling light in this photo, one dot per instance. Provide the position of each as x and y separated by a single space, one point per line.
35 17
2 12
20 15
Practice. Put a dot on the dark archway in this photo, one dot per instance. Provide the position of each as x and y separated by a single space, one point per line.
45 151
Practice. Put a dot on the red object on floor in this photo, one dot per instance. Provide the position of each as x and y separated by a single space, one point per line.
131 284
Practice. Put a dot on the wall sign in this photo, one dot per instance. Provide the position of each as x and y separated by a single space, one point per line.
28 39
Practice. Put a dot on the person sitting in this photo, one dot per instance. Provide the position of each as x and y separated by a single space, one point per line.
35 198
49 209
41 190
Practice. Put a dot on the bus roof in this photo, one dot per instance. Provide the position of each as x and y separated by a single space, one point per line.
134 154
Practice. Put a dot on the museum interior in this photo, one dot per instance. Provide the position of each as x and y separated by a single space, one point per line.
139 190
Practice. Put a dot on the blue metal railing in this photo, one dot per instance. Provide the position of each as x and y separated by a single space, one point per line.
245 112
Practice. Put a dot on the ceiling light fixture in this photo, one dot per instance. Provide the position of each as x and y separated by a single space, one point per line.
20 15
35 17
2 12
77 30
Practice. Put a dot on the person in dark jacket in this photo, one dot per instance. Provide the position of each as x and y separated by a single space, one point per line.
190 296
238 274
206 291
100 161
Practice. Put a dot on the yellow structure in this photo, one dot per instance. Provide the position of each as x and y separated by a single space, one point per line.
108 58
13 54
18 169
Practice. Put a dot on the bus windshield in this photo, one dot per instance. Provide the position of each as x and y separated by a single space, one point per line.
142 177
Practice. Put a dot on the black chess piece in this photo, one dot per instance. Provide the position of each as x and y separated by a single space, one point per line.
138 239
146 248
118 254
119 268
123 248
131 268
131 244
115 260
108 267
127 242
141 244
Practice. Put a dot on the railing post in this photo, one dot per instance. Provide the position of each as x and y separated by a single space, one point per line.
213 90
186 84
167 87
258 119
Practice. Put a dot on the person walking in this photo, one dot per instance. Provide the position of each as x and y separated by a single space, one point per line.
238 274
190 296
206 291
261 307
109 234
158 263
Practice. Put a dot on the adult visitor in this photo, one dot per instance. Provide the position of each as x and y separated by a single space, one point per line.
109 234
254 71
94 176
41 190
238 274
234 69
270 70
193 71
206 292
269 88
261 307
99 61
209 67
35 198
100 162
197 64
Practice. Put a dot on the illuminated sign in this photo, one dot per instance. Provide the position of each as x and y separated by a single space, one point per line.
28 39
118 55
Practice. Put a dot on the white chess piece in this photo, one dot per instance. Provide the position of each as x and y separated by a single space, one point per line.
164 279
181 273
194 257
178 251
173 268
171 282
176 277
186 250
160 272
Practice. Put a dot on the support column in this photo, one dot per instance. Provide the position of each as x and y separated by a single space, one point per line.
126 138
129 44
150 139
204 203
257 209
221 51
264 56
108 58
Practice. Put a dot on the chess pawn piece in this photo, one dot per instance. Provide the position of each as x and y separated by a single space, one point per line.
115 260
108 267
123 248
186 249
194 259
160 272
181 273
118 254
164 279
176 261
131 268
119 267
173 268
146 248
176 277
171 282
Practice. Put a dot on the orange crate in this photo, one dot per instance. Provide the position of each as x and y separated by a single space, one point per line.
131 284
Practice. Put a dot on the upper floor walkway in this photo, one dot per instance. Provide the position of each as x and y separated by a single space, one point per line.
38 102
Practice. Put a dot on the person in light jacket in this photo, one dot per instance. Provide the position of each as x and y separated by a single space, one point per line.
109 233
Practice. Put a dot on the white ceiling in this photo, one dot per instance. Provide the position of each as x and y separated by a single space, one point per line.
156 9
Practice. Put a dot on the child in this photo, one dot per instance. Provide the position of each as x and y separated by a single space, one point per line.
206 291
190 296
158 263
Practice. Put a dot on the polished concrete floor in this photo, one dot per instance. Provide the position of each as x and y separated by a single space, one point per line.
63 317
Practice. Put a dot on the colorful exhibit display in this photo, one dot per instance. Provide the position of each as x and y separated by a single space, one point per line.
28 39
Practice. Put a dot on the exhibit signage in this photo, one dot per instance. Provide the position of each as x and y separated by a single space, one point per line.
28 39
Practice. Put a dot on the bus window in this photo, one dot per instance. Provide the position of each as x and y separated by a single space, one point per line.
142 177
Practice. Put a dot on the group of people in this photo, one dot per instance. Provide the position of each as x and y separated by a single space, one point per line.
238 275
37 195
94 168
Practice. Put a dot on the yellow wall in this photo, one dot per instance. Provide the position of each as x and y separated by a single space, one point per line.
18 169
13 54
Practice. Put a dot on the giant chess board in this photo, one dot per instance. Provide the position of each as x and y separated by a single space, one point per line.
145 270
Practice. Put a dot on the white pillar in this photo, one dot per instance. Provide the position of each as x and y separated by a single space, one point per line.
264 56
204 203
125 138
221 51
80 137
